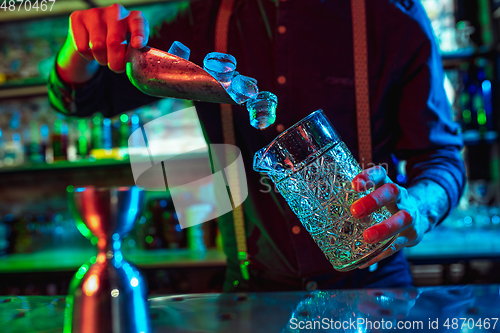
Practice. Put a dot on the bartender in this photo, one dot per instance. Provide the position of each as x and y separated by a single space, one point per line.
302 51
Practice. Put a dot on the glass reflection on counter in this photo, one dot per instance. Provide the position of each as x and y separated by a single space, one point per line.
352 311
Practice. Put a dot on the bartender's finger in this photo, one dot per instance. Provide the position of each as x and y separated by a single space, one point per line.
381 197
96 27
369 178
116 38
388 228
398 245
139 29
79 35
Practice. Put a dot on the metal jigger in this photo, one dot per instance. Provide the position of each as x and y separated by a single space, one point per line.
161 74
107 294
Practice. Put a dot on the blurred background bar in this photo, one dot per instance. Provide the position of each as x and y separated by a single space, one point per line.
44 155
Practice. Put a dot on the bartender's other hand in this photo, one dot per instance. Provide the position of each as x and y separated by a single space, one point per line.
101 34
406 220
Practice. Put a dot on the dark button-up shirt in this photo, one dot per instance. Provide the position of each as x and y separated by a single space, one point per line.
302 51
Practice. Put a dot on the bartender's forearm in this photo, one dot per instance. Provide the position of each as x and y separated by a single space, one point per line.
72 67
432 201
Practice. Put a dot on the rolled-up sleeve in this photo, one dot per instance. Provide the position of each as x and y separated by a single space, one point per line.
428 139
107 92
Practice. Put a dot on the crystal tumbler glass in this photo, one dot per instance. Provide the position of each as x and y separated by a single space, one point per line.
313 169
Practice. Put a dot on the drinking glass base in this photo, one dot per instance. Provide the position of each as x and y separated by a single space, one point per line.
367 258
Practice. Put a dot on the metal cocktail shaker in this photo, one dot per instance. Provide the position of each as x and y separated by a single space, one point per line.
161 74
107 294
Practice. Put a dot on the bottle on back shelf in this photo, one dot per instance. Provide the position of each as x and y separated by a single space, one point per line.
484 103
34 149
82 145
46 147
466 97
60 140
124 131
97 135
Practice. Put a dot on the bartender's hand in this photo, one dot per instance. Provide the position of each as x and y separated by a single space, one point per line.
96 37
414 210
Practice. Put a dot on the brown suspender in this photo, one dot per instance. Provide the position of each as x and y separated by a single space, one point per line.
221 33
358 14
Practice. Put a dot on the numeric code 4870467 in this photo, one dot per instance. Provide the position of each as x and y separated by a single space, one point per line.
27 5
470 323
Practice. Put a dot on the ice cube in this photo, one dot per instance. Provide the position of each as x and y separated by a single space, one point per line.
179 50
262 110
242 88
221 66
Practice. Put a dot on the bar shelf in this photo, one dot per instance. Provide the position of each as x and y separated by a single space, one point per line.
59 260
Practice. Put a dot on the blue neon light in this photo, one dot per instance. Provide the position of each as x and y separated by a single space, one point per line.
44 130
486 85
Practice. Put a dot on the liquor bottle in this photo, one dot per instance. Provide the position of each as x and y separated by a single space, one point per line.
484 103
124 131
465 98
150 238
64 139
134 125
72 138
175 236
106 134
16 149
82 145
34 149
46 147
96 134
59 141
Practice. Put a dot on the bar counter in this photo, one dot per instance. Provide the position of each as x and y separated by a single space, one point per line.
428 309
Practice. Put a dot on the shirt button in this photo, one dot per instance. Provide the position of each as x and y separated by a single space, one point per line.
280 128
296 230
311 285
281 79
282 29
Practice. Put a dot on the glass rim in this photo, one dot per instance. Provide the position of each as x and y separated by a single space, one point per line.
291 128
318 142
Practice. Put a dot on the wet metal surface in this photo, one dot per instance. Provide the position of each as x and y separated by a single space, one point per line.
431 309
107 294
158 73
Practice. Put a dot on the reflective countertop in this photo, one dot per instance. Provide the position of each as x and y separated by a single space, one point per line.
428 309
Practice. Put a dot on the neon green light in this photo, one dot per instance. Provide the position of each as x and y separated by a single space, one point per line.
481 117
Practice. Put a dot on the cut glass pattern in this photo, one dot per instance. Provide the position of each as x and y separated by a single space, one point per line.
320 194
